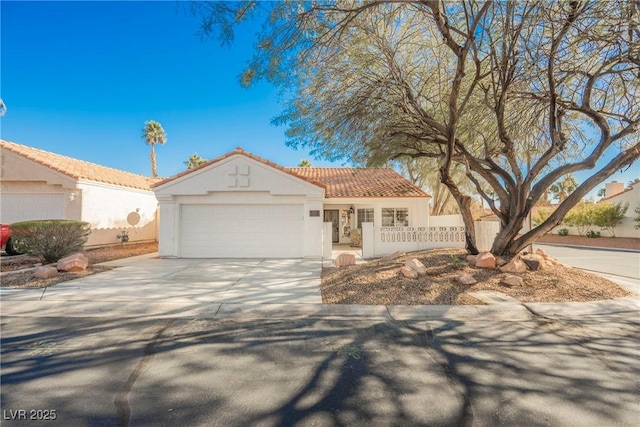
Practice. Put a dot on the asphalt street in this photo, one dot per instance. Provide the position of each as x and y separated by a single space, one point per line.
532 370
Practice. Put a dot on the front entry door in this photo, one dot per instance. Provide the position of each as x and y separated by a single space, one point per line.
334 217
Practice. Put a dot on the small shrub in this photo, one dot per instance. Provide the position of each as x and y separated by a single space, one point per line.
50 239
608 215
593 234
457 263
563 232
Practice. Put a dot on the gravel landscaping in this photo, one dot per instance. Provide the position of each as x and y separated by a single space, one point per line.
380 282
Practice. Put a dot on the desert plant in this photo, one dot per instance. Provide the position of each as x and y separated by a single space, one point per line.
637 218
563 232
50 239
608 215
457 263
581 217
593 234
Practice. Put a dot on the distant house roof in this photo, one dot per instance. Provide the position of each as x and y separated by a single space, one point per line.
337 182
79 169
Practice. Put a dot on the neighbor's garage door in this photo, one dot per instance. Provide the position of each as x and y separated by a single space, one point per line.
24 207
241 231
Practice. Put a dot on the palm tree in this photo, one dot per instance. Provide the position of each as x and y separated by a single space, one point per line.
194 161
304 163
153 133
562 189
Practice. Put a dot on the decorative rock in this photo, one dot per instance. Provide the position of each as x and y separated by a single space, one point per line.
416 265
409 273
471 259
486 260
392 256
466 279
551 260
501 261
344 259
534 262
512 281
74 262
515 266
46 272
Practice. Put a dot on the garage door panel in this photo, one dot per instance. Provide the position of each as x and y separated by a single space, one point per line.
25 207
241 231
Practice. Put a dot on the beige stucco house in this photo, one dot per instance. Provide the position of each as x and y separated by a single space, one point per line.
36 184
241 205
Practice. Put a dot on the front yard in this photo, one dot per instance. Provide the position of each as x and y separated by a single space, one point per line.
380 282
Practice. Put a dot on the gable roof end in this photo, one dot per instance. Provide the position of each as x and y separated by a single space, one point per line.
239 151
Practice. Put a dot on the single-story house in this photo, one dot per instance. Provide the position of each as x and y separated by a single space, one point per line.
37 184
240 205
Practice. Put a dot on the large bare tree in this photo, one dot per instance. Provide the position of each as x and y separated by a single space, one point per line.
518 93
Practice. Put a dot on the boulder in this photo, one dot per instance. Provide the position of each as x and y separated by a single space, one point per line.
486 260
409 273
344 259
512 281
45 272
515 266
551 260
416 265
466 279
471 259
74 262
501 261
392 256
534 262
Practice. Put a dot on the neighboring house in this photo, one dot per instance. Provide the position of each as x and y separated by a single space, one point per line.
37 184
615 192
240 205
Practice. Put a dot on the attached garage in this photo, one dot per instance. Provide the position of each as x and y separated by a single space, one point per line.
23 207
242 231
240 206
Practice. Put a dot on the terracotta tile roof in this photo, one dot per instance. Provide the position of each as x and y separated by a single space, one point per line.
243 153
79 169
361 182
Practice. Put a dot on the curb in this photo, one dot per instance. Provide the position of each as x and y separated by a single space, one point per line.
599 248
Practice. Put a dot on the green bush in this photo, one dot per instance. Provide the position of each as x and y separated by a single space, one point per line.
50 239
593 234
581 217
608 215
637 218
563 232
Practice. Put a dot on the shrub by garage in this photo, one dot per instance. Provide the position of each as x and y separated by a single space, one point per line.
50 239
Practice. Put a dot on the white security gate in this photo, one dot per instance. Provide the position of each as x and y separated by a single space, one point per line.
241 231
25 207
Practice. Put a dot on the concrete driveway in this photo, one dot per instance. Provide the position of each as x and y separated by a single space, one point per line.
247 281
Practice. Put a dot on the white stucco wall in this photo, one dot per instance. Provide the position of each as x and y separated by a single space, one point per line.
238 180
107 207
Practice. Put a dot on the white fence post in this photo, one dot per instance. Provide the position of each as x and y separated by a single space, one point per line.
368 240
327 240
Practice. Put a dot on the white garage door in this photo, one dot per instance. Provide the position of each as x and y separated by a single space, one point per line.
242 231
24 207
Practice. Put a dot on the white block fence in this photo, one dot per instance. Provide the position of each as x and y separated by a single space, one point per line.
380 241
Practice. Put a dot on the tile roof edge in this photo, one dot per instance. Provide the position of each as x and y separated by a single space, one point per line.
10 145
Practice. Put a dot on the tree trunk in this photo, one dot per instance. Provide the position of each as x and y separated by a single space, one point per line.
154 172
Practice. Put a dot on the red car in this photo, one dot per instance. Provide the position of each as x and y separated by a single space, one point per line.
6 242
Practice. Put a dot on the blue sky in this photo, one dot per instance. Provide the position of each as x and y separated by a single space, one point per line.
81 79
